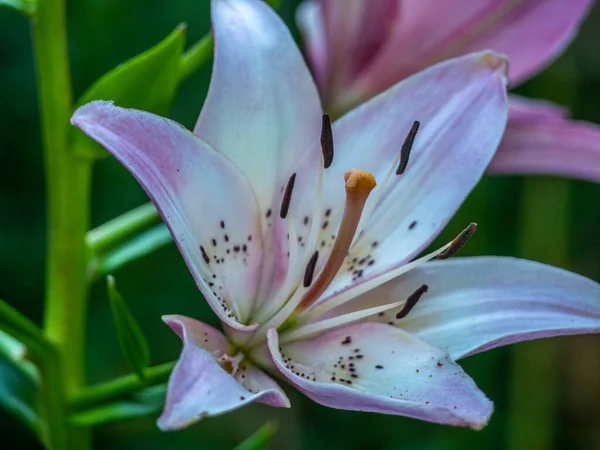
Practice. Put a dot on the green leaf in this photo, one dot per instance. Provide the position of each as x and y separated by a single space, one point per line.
133 343
148 81
25 6
144 403
19 384
261 439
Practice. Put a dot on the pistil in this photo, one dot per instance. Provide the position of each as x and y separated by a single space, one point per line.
359 185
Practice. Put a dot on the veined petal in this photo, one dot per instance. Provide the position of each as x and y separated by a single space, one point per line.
462 106
532 33
262 108
475 304
199 387
540 140
377 368
203 198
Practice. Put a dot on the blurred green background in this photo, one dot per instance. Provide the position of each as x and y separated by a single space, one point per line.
104 33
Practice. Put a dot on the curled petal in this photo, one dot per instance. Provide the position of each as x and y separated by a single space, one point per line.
216 230
475 304
540 141
199 387
377 368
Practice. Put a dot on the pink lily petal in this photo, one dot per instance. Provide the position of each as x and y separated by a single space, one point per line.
262 108
377 368
262 111
312 25
462 107
217 230
353 32
199 387
531 33
540 141
475 304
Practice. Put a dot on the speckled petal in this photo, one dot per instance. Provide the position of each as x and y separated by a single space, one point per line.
475 304
541 140
462 106
199 387
202 196
378 368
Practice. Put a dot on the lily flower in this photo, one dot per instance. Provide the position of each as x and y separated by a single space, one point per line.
358 49
304 236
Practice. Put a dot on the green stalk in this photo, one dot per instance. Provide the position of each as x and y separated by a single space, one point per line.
68 194
110 390
534 375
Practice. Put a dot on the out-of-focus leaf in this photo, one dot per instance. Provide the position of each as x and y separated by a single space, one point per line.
22 330
133 343
136 248
261 439
25 6
144 403
148 81
19 389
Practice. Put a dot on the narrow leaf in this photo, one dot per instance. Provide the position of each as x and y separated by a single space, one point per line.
261 439
27 7
148 81
133 343
19 389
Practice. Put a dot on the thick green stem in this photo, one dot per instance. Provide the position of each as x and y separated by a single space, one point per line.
68 194
534 377
110 390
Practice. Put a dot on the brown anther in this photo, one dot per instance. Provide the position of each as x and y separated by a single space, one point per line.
326 141
411 301
407 147
458 242
310 269
287 197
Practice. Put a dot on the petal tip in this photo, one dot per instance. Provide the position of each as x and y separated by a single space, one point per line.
497 62
92 110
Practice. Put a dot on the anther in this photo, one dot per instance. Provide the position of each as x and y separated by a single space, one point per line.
411 301
310 269
458 242
287 197
407 147
326 141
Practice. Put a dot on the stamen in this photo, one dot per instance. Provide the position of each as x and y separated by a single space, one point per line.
359 185
407 147
287 197
411 301
326 141
310 269
458 242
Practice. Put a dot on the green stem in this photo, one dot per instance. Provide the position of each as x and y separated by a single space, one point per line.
533 415
110 390
122 227
68 194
